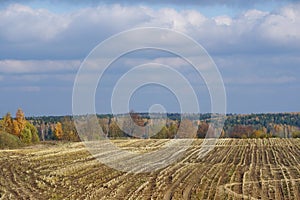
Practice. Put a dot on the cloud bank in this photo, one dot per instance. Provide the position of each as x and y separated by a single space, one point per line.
27 33
41 48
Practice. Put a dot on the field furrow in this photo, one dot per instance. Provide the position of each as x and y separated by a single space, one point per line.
234 169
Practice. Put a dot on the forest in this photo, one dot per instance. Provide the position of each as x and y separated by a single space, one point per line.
26 130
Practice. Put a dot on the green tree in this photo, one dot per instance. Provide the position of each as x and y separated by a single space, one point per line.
162 134
34 133
104 124
173 127
26 136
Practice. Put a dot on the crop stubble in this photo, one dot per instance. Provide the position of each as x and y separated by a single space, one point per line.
234 169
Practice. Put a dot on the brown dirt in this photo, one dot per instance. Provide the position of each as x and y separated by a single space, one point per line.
234 169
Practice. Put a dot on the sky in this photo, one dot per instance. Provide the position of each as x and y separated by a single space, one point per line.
255 45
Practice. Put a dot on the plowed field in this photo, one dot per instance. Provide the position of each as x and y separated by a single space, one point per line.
234 169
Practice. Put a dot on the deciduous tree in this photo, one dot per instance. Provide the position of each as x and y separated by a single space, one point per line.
7 123
34 133
58 131
115 131
202 130
19 123
26 136
69 130
187 129
259 134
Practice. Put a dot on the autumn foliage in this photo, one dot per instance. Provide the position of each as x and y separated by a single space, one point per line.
66 130
19 127
58 130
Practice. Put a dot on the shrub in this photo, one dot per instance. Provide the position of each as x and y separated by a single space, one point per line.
9 141
296 134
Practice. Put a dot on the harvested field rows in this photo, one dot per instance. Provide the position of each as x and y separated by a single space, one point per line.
234 169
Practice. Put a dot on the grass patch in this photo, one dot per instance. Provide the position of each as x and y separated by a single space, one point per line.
9 141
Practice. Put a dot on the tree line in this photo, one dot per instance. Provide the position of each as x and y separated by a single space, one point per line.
284 125
29 130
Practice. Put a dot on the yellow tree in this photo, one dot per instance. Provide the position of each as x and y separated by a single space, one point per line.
7 123
259 134
19 123
69 130
58 131
16 129
114 130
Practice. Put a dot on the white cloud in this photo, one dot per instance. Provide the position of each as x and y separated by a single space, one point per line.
223 20
175 62
75 33
254 15
21 23
41 50
78 31
194 18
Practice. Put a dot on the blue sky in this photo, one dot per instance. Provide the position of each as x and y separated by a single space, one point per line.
255 46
